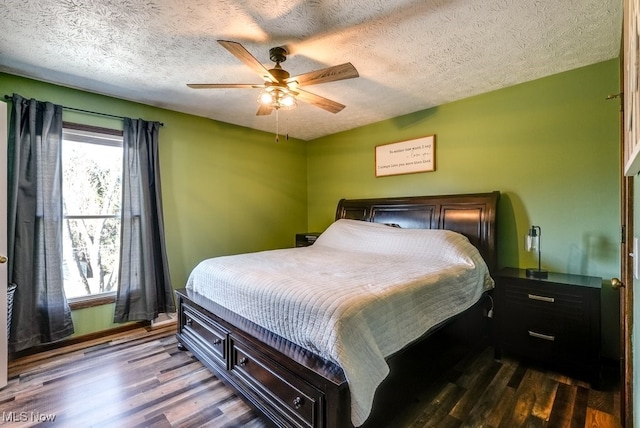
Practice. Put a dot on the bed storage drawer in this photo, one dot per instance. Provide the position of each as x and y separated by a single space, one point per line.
288 385
206 333
299 402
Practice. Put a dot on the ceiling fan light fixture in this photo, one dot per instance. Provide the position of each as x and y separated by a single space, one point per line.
265 98
288 101
277 98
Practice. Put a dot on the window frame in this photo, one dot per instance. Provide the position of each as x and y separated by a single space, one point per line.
109 297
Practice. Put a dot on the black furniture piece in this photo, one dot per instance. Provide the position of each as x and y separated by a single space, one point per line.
554 320
306 239
291 386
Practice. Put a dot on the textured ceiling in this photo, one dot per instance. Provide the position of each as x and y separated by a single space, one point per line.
410 54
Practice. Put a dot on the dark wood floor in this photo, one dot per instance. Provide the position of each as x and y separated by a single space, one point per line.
140 379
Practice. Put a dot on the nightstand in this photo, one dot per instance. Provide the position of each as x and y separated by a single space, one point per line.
555 320
306 239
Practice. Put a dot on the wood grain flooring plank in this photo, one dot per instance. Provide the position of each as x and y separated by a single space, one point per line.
488 399
546 393
158 421
99 380
563 378
499 411
127 413
515 380
473 369
179 418
562 410
140 379
579 414
236 414
42 365
440 407
450 422
599 419
205 402
520 410
465 362
602 400
185 367
476 389
534 422
216 424
81 365
132 403
523 400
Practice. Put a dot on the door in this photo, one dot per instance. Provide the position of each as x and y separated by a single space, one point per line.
630 166
3 245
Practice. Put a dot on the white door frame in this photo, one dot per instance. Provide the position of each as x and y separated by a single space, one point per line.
4 271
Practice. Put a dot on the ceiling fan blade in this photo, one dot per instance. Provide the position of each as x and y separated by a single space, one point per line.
222 85
245 56
264 110
329 74
318 101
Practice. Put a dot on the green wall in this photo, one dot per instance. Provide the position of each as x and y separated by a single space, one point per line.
551 146
226 189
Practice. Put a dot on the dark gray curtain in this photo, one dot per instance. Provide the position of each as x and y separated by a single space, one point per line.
40 310
144 289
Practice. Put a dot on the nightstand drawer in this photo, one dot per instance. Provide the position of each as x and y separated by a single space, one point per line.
306 239
565 302
530 334
554 320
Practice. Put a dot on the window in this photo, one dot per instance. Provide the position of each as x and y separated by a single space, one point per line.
91 194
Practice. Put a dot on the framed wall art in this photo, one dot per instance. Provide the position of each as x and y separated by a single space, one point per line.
406 157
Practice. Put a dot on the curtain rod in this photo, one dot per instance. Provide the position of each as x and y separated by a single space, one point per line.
10 98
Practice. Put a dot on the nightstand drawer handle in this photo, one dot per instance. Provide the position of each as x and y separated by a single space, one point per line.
542 336
542 298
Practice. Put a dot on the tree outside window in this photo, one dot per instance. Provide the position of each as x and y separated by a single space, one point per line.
92 194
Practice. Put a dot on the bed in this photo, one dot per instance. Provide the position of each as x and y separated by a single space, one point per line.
291 330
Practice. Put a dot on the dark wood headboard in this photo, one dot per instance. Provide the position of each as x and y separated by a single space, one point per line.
473 215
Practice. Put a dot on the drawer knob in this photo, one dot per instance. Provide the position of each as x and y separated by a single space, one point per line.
189 321
217 341
243 361
298 402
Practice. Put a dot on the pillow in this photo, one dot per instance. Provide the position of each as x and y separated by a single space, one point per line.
367 237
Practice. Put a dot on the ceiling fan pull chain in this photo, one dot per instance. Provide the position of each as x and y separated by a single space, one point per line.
277 122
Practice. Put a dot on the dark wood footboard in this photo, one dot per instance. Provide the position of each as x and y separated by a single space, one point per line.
289 385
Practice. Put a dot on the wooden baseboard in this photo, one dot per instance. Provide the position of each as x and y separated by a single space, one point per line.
79 339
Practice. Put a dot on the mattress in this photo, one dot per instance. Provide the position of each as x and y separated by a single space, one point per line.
360 293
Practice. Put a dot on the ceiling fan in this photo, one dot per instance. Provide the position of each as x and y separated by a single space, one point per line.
280 90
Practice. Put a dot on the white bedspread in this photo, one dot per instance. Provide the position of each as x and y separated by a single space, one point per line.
362 292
